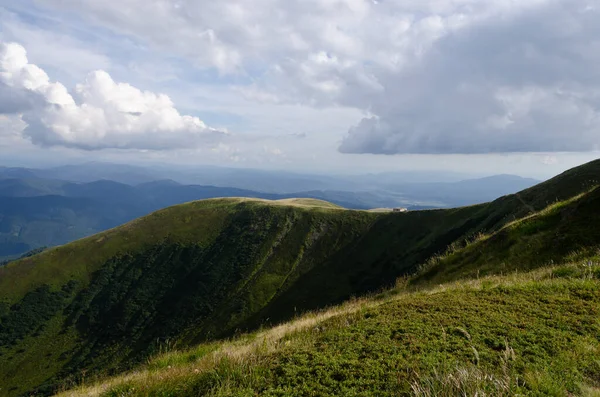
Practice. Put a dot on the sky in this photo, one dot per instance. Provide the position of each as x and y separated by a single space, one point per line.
340 86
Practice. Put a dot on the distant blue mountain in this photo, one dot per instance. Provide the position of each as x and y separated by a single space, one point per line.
54 206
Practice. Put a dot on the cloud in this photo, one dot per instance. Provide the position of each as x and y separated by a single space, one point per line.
549 160
100 113
14 100
523 83
273 151
51 46
455 76
298 135
11 126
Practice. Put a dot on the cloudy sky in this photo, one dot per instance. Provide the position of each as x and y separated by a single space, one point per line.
487 86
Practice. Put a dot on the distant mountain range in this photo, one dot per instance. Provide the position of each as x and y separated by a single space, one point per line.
280 182
48 207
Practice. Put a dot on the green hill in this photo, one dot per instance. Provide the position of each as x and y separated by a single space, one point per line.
565 232
528 334
212 269
39 212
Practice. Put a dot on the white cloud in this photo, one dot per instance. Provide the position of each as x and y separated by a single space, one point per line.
453 76
100 113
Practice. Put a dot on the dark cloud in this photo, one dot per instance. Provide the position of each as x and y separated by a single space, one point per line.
515 83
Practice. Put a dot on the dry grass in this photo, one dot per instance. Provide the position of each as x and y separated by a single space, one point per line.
290 202
589 391
469 381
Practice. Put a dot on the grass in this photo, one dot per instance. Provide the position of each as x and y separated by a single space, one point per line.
77 260
39 356
529 333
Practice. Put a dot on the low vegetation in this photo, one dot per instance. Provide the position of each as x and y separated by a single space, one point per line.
530 333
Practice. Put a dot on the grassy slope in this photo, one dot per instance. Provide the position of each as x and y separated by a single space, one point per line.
398 243
195 272
529 334
532 332
21 365
302 257
36 213
204 267
563 232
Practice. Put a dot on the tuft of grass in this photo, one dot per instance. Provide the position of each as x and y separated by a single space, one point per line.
465 381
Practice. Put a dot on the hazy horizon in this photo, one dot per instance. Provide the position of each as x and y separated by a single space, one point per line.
465 172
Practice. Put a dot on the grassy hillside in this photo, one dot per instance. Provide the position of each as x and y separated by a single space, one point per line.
534 333
563 232
187 273
40 212
514 312
212 269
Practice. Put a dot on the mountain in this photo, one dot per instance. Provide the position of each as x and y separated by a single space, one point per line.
93 171
32 222
38 212
465 192
211 269
44 219
382 185
29 187
16 172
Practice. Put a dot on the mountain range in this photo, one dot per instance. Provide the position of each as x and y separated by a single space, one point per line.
51 207
406 187
199 273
